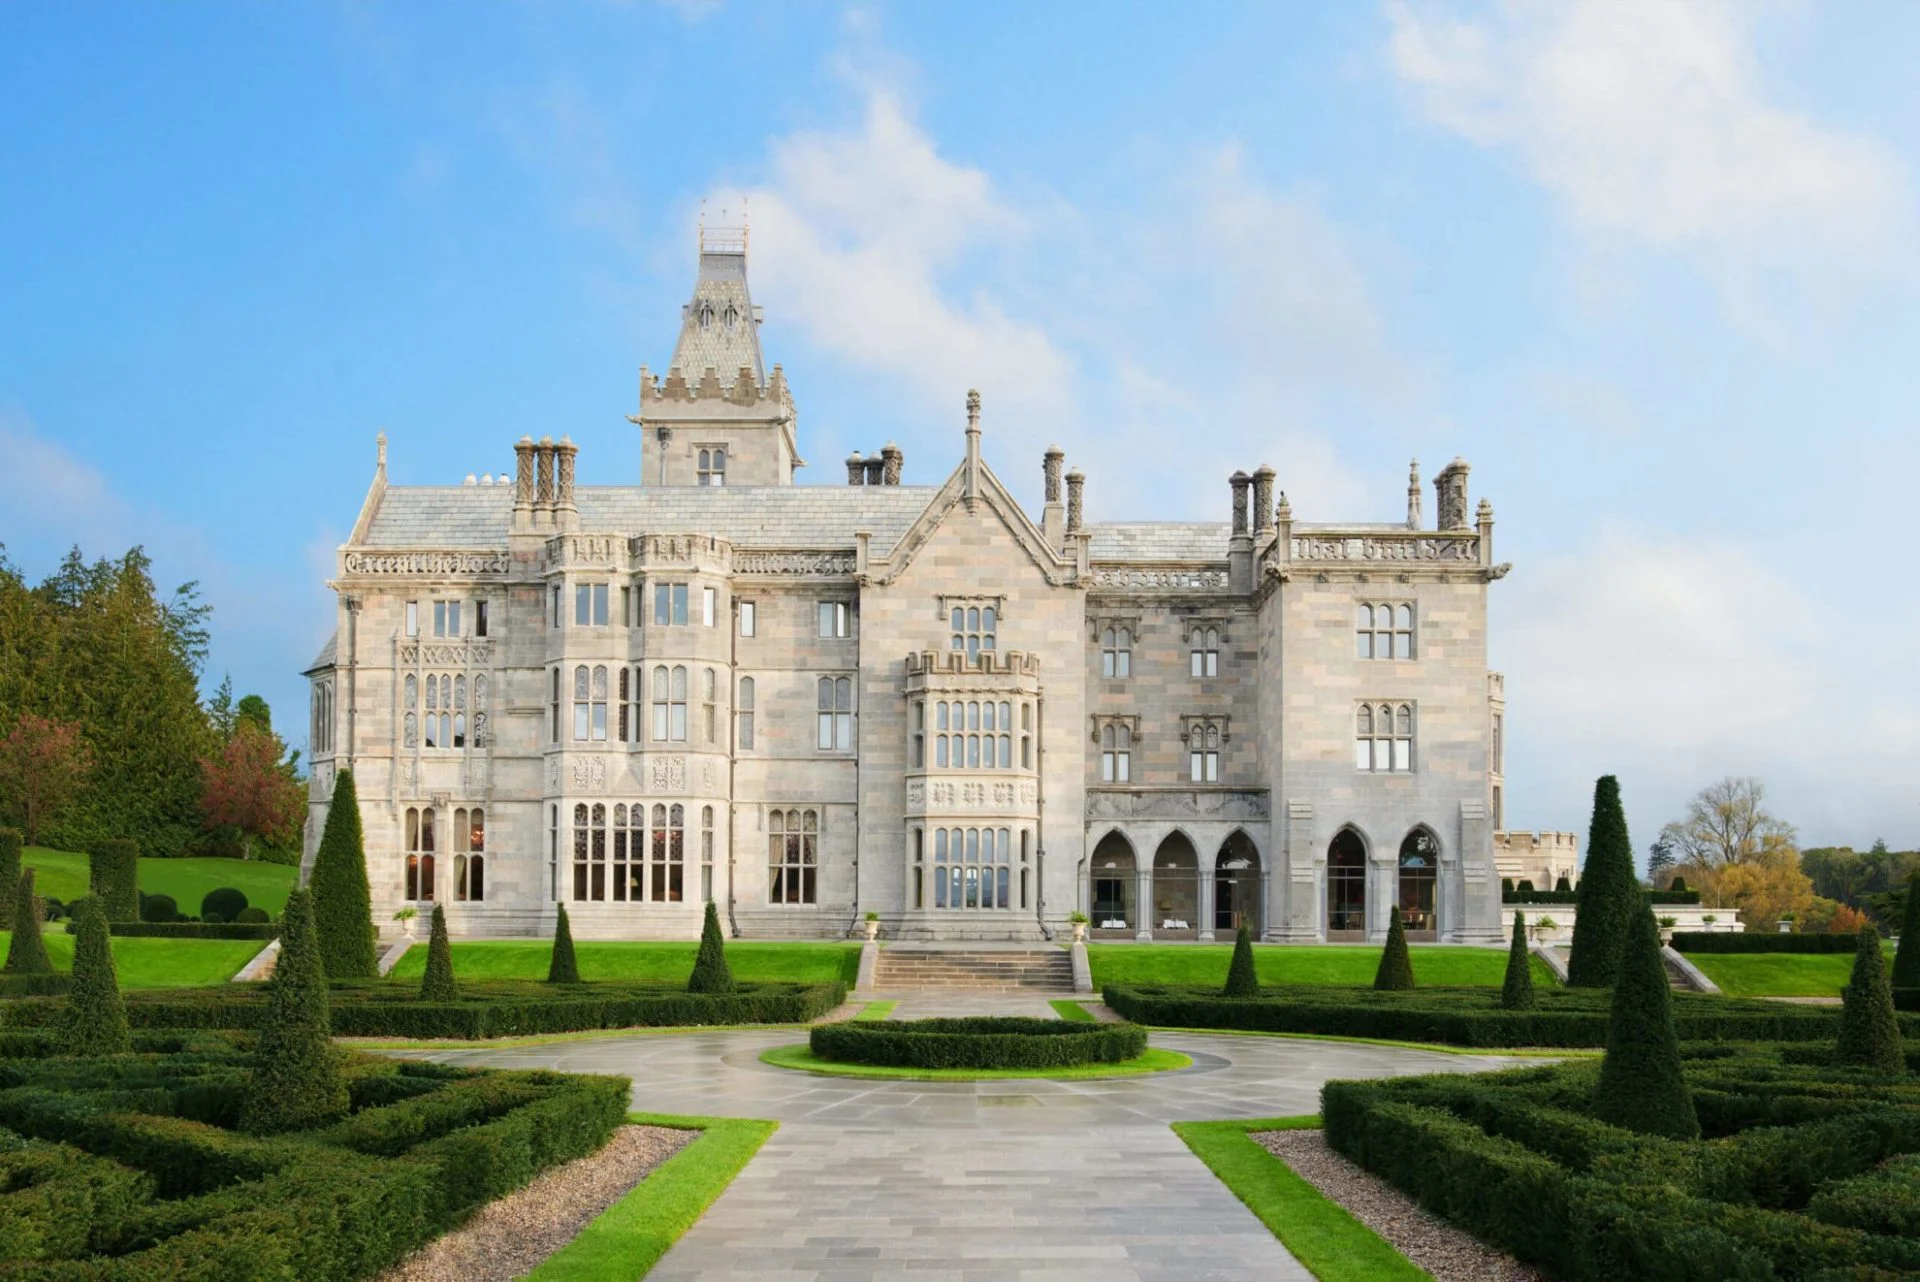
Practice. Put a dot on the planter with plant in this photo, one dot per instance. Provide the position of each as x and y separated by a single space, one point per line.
1078 920
1666 928
873 926
405 917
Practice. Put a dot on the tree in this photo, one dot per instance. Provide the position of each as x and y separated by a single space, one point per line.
26 950
113 877
1869 1030
43 767
1660 858
9 870
438 985
1516 991
1242 980
1906 958
1396 964
342 903
296 1082
1641 1085
1609 893
247 788
1766 888
1726 825
561 966
94 1021
711 974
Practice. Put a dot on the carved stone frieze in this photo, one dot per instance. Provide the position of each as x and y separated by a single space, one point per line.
795 564
589 774
1385 547
426 563
597 550
1133 579
667 774
1177 803
446 654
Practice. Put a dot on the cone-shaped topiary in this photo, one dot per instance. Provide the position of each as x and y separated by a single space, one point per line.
1869 1033
9 870
711 974
1516 992
1906 958
1679 885
342 905
95 1019
1608 900
561 967
438 985
1396 964
113 877
1641 1086
1241 979
27 951
1563 886
296 1077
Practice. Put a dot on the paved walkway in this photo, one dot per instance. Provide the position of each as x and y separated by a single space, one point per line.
975 1180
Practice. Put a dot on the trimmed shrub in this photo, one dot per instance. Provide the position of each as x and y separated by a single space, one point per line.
178 929
158 908
1641 1087
251 917
1906 958
1563 886
1242 980
224 903
1656 897
1708 941
10 842
1506 886
978 1043
711 974
437 984
1396 963
1609 894
1525 887
1869 1030
1516 990
113 877
296 1081
562 968
96 1019
26 951
342 904
1679 883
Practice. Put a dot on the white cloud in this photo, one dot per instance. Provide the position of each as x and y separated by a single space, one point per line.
47 489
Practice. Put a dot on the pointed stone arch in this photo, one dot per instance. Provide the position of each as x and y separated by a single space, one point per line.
1175 909
1113 883
1417 881
1239 885
1347 859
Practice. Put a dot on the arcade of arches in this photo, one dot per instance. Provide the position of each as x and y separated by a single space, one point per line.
1185 895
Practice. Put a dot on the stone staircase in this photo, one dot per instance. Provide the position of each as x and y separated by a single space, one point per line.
903 967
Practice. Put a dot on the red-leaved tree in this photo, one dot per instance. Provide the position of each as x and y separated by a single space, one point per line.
43 764
248 788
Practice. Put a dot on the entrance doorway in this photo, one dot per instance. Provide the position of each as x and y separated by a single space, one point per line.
1236 886
1347 888
1419 862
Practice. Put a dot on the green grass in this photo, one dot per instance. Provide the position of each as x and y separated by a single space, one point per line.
799 1057
876 1010
1438 1048
159 963
1778 974
629 1237
1072 1011
1140 964
664 963
1321 1235
62 875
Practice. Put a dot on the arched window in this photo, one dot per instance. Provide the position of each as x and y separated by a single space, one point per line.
1384 630
706 854
625 693
744 711
420 852
917 734
973 867
590 852
835 714
1026 736
1347 883
919 867
1116 752
973 629
1116 653
1419 864
1204 659
553 706
629 844
1203 751
709 704
667 857
670 705
793 838
1383 737
712 468
469 859
941 724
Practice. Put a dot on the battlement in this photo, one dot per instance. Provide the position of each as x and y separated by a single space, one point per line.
745 390
1006 663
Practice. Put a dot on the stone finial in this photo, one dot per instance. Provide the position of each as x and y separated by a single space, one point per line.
1450 493
1413 495
543 452
523 465
1050 468
473 478
380 456
1262 499
1484 513
1239 481
856 469
566 450
1285 511
1076 485
973 410
892 460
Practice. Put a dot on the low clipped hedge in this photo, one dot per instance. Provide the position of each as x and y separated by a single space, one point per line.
1466 1016
262 931
500 1008
1573 896
1713 941
978 1043
1804 1170
32 985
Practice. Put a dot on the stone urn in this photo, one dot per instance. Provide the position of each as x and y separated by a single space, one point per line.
873 929
1079 932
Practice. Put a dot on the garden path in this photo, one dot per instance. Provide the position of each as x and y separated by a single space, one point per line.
1006 1179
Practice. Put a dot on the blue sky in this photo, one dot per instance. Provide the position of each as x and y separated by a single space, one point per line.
1651 268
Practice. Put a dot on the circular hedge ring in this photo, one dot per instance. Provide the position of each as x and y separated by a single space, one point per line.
978 1043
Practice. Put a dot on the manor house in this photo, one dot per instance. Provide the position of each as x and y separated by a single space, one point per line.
809 702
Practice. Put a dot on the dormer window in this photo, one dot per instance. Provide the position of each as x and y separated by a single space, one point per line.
711 467
731 317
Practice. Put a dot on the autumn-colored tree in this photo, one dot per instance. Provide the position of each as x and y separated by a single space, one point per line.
247 788
1847 921
1727 825
1765 889
43 765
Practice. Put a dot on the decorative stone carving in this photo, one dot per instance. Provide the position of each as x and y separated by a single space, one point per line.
597 550
1450 489
805 564
1385 547
1076 485
668 774
709 777
409 777
447 654
543 491
1129 579
553 776
590 774
1051 470
916 794
1239 481
1176 803
426 564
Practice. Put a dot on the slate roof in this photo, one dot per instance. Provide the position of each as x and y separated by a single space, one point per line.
1160 541
719 327
326 657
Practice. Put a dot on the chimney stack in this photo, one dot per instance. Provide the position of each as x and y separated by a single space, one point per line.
1076 483
892 460
1450 493
1262 500
1239 481
856 469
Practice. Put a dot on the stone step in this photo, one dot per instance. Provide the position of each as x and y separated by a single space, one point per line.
956 970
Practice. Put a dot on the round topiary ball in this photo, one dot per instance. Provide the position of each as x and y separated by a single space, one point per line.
55 910
226 901
158 908
252 916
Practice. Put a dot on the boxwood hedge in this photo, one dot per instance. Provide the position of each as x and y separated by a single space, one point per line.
261 931
1712 941
981 1043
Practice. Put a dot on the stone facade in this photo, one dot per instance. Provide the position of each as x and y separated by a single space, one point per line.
812 702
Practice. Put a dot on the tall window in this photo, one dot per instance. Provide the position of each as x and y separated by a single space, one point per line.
590 605
1203 752
1026 736
553 603
972 867
446 618
1499 766
793 849
469 854
420 852
629 863
1204 658
670 605
553 852
670 705
709 598
836 619
553 707
1116 752
706 853
917 735
835 714
1384 631
590 852
1383 737
744 709
413 618
975 734
666 858
590 703
709 705
712 468
972 629
442 721
320 736
1116 653
747 619
480 618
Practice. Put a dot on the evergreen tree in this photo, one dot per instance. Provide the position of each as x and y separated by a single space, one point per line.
342 904
296 1078
1516 991
711 974
1242 981
1608 898
1396 964
9 870
561 967
438 985
95 1019
27 951
1906 958
1869 1031
1641 1086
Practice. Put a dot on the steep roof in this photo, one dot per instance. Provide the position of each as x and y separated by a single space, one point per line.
720 327
326 658
1159 541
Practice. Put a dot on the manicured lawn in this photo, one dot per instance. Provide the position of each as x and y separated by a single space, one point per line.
876 1010
1071 1011
62 875
159 963
1143 964
1778 974
1320 1233
630 1236
799 1057
664 963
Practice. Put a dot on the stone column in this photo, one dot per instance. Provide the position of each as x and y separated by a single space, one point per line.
1262 499
1239 482
856 469
1204 903
1050 468
1143 900
1413 495
1076 486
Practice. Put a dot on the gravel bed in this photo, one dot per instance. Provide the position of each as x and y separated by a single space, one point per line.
508 1238
1446 1252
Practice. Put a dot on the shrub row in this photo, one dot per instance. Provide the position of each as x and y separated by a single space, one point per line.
978 1043
260 930
1710 941
30 984
1573 896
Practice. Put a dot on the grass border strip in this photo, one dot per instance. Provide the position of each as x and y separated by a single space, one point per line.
798 1058
627 1239
875 1011
1071 1011
1438 1048
1323 1235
